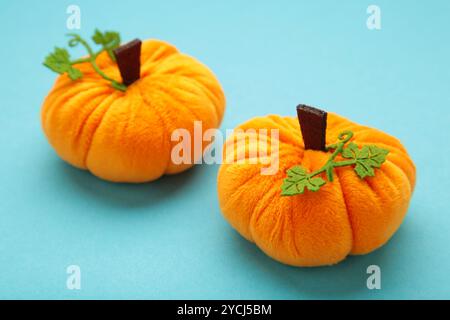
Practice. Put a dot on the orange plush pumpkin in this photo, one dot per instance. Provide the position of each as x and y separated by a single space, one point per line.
125 135
348 216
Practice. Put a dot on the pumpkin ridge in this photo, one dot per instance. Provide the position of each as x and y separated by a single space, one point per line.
275 232
104 95
215 98
95 130
295 130
163 122
163 52
412 167
82 127
245 135
281 154
371 183
246 125
178 102
160 45
175 106
51 99
283 167
239 138
295 141
152 62
353 214
291 218
254 218
231 196
409 164
379 197
336 124
290 139
350 214
288 149
403 173
216 92
48 106
167 68
390 178
208 93
59 102
62 82
347 210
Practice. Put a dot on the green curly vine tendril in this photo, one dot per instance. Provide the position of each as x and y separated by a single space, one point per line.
364 160
59 60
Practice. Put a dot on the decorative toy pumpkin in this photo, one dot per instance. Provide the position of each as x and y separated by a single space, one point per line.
121 131
341 188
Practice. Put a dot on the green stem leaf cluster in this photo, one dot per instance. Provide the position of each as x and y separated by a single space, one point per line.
59 60
363 160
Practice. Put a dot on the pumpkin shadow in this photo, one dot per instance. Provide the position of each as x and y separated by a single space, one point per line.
126 195
345 280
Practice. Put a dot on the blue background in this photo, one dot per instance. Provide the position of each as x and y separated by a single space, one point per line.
168 239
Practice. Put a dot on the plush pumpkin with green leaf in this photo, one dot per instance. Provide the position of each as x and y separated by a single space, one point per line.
341 188
113 112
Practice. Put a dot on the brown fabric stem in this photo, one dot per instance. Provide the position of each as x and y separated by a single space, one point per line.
128 58
313 123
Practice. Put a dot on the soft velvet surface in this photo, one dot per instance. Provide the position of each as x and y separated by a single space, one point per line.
125 137
347 216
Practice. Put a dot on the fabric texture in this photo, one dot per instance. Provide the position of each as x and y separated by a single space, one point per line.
126 136
347 216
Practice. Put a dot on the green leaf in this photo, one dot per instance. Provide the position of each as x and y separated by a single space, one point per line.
363 170
315 183
59 61
367 158
351 151
74 74
109 40
377 155
297 180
